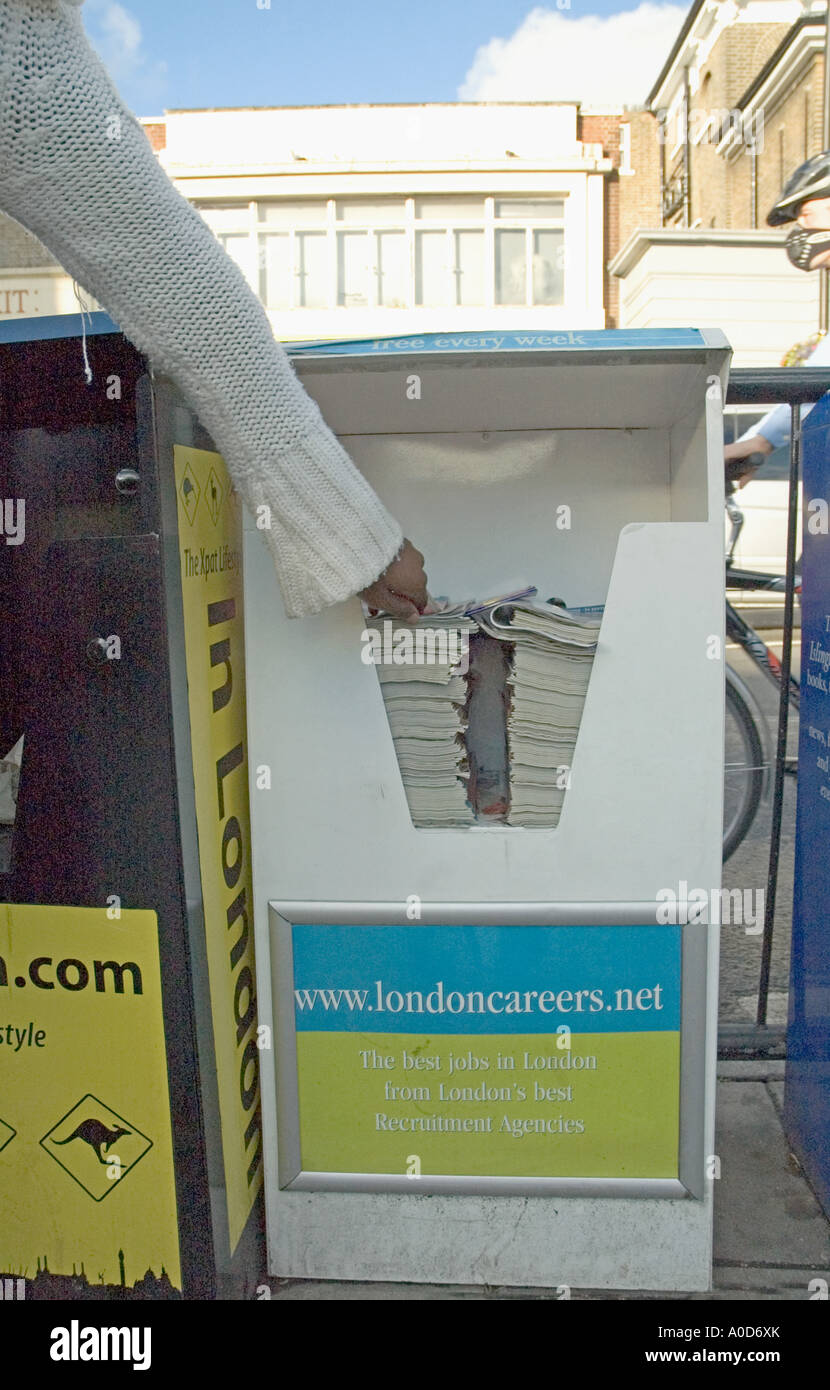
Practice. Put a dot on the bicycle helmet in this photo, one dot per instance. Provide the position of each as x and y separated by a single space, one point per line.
810 180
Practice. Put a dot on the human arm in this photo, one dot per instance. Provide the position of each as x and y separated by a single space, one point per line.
744 448
76 169
773 431
770 433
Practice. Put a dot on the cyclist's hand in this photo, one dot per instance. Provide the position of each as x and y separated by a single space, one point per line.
402 588
744 457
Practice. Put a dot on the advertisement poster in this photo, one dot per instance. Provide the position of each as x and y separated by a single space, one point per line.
807 1093
488 1051
86 1151
210 542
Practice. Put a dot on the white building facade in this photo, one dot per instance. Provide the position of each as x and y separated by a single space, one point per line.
740 282
371 221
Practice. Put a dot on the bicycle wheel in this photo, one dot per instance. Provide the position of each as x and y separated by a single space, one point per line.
743 772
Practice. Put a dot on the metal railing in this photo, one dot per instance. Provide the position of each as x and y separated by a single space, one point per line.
793 386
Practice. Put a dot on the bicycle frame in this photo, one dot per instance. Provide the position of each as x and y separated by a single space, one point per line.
739 630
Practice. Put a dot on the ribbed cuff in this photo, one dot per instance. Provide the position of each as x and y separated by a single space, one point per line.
306 589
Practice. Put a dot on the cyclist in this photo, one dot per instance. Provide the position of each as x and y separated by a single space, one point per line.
806 201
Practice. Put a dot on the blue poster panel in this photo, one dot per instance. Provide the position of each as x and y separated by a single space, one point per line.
807 1090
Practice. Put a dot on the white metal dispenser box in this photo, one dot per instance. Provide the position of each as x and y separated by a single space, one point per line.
493 1043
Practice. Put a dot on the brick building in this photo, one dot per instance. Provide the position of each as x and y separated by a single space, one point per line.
604 131
785 99
736 106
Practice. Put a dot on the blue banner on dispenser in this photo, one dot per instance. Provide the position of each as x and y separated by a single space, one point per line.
485 980
567 340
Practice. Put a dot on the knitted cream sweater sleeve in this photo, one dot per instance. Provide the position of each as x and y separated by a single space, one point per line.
90 188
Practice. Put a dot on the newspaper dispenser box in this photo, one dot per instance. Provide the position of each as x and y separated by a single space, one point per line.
493 1047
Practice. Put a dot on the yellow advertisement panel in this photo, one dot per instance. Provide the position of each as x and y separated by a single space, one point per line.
518 1106
210 543
488 1051
86 1152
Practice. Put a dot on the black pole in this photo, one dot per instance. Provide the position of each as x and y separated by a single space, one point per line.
824 276
783 716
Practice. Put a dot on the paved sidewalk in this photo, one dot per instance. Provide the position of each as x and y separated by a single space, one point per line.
770 1236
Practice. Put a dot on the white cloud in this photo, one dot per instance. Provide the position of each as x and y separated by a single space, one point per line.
117 36
600 60
123 33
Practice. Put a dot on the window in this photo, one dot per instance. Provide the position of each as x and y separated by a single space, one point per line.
529 261
432 252
449 267
449 210
548 265
352 269
372 264
238 247
291 215
431 268
392 269
311 270
364 212
468 267
275 270
235 243
531 210
293 254
529 267
226 217
511 267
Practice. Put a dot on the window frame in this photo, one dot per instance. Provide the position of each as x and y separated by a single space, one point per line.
484 221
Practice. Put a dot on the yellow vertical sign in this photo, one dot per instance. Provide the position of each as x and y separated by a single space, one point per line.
210 544
86 1151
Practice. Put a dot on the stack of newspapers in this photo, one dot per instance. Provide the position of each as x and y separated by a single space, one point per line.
551 655
442 723
423 671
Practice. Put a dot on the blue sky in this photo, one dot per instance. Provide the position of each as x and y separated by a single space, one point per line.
192 53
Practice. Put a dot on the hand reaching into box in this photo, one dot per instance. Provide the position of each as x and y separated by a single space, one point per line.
402 588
